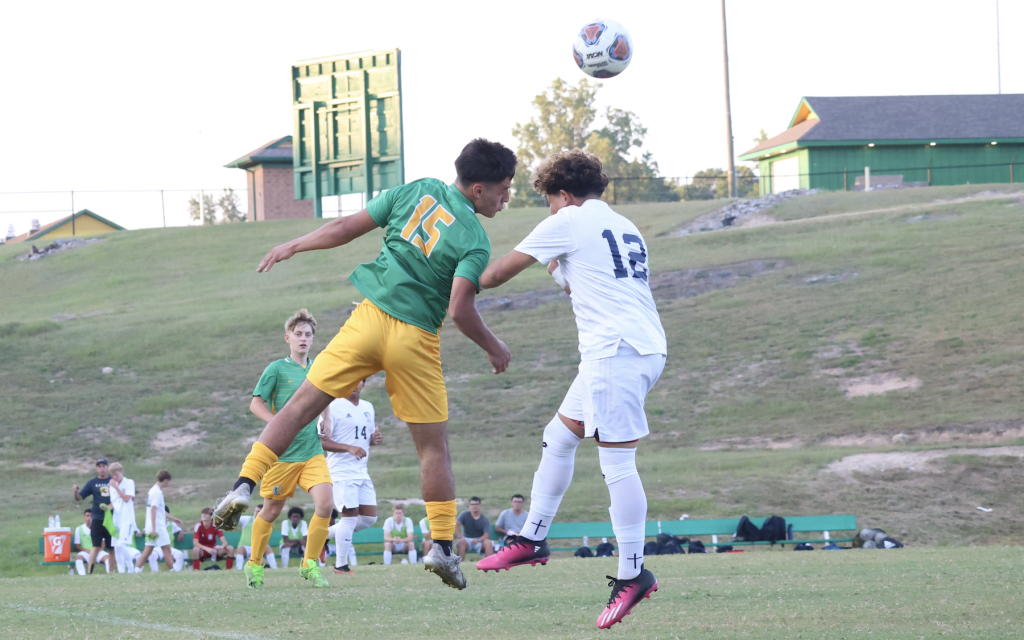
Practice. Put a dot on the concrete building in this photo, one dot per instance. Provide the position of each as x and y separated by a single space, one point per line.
935 140
271 183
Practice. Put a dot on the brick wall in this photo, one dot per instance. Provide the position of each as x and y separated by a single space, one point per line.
274 195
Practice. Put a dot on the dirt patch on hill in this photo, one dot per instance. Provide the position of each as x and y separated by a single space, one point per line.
71 464
874 463
878 384
178 437
668 286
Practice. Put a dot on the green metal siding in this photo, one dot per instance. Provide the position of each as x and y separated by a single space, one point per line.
828 164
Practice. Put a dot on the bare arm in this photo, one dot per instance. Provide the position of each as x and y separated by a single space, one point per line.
462 309
74 488
117 487
260 409
505 268
335 233
337 447
377 437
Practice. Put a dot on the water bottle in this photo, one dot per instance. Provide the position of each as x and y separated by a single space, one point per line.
56 520
51 522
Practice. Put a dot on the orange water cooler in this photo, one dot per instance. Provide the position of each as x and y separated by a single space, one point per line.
57 544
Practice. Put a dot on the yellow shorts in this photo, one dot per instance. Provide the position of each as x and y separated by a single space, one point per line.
282 477
373 341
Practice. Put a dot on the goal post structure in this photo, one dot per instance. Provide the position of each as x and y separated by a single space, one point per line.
347 125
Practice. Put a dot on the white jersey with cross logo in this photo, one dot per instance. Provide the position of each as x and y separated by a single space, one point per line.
352 425
604 260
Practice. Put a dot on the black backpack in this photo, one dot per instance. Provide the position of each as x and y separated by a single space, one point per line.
747 531
604 550
696 546
584 552
773 529
669 544
651 548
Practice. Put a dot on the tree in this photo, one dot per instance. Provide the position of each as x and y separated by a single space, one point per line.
714 183
565 120
226 205
761 137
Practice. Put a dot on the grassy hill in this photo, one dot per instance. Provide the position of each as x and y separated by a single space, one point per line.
773 331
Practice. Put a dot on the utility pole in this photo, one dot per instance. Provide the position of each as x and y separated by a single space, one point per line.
999 65
728 108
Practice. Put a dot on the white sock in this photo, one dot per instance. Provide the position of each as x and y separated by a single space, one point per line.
629 507
154 564
412 556
239 559
342 531
352 560
286 553
552 479
387 557
179 559
80 566
270 560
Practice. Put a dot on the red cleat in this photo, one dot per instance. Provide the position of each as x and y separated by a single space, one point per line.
626 594
519 550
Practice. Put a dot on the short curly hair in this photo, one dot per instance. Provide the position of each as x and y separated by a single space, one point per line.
577 172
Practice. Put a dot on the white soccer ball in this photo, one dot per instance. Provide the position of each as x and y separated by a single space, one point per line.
602 49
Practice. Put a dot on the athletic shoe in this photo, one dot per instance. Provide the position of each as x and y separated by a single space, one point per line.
519 550
231 507
346 570
625 595
310 571
446 566
253 576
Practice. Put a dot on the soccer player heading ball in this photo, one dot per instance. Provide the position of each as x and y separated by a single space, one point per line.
433 255
600 259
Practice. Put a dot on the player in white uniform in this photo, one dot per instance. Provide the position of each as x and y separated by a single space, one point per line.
83 536
122 501
398 535
156 531
346 433
175 534
600 258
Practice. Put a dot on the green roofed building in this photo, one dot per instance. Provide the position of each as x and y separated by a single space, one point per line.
935 140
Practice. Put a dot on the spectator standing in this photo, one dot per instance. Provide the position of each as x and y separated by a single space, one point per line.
83 553
156 531
208 542
511 521
474 530
398 535
122 501
244 550
294 531
98 489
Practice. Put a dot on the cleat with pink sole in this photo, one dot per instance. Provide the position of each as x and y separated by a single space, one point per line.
518 551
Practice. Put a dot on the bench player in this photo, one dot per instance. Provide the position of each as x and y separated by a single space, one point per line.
433 253
600 259
347 433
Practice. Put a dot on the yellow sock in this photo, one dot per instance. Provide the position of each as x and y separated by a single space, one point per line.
317 537
257 462
442 520
261 530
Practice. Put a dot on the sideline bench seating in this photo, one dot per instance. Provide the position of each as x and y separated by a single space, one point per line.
587 530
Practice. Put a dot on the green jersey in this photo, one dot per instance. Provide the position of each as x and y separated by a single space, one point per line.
276 386
431 235
245 540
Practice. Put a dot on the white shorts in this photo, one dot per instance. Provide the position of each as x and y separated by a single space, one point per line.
349 494
100 557
400 545
475 547
608 394
163 539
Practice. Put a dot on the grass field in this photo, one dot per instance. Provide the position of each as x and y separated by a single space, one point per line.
966 592
752 409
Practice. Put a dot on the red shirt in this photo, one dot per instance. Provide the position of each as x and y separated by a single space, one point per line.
207 536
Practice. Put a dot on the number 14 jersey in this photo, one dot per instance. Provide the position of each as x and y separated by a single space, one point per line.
352 425
605 263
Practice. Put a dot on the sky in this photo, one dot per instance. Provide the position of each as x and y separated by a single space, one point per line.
149 96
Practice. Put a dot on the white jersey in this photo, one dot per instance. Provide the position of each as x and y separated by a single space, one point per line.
424 526
400 531
351 425
294 532
124 512
605 263
155 498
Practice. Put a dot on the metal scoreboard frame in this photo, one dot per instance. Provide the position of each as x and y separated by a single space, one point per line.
348 118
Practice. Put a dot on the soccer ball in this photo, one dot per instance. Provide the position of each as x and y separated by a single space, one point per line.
602 49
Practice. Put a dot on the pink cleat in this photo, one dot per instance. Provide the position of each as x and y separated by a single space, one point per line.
626 594
519 550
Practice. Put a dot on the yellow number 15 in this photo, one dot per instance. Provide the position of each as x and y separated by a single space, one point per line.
429 225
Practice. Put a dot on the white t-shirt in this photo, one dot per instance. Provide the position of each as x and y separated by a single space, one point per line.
351 425
400 531
124 512
424 526
294 533
155 498
83 536
604 260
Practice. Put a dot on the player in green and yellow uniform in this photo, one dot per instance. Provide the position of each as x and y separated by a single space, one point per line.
301 465
433 254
